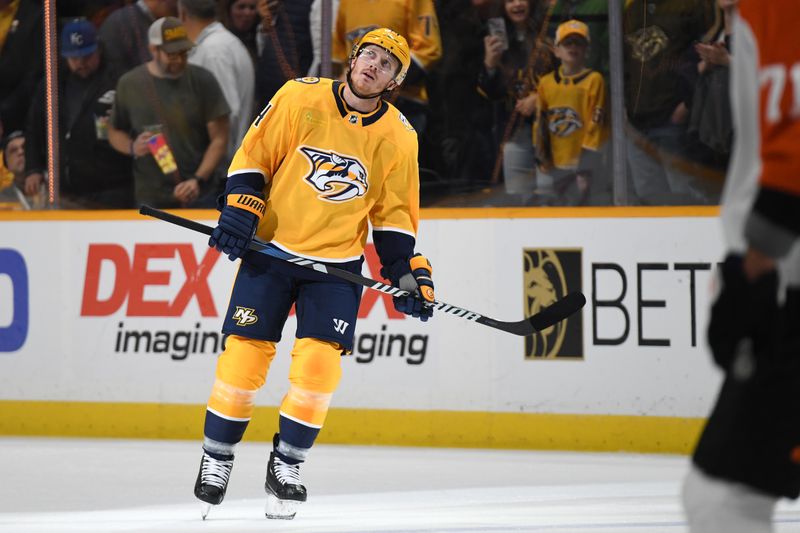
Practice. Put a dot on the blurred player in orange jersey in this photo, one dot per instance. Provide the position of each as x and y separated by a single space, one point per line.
321 163
749 453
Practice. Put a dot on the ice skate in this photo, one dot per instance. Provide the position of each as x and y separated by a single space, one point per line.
212 481
285 493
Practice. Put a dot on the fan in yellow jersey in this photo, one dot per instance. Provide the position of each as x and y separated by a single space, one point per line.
570 124
320 163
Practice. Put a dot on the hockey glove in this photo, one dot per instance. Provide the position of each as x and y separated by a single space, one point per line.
413 276
743 309
243 208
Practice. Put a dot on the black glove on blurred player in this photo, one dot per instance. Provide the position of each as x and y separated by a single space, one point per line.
744 309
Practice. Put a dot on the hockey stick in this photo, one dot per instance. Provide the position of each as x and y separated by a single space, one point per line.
549 316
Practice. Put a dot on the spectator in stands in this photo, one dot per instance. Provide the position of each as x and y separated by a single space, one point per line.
124 32
593 13
220 52
711 119
173 119
284 44
241 19
661 72
418 22
95 11
513 62
570 128
467 146
91 174
21 60
15 190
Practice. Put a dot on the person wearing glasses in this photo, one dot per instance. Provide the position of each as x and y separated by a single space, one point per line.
322 162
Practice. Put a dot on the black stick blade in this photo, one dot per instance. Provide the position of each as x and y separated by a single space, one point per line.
563 308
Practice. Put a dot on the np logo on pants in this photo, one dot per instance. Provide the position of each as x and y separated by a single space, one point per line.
245 316
340 325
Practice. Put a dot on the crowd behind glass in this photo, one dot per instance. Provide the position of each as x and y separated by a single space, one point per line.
510 98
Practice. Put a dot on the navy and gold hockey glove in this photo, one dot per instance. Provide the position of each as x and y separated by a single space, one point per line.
414 276
243 207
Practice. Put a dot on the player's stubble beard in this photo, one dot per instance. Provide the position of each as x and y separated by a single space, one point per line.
362 96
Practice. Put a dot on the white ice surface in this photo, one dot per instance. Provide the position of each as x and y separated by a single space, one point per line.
83 485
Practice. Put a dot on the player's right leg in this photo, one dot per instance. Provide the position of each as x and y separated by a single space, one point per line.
241 371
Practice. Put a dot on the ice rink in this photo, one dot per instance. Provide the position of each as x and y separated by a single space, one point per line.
96 485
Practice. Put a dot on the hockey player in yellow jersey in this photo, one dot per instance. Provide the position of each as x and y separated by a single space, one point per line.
417 20
570 128
322 162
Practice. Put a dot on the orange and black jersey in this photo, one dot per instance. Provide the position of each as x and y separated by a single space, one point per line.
766 87
330 171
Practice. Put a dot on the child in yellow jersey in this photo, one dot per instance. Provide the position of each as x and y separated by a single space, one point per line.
570 129
321 163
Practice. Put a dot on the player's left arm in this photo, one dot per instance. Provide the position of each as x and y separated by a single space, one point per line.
395 220
746 306
424 39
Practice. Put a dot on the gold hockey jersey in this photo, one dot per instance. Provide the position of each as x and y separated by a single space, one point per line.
413 19
329 170
570 117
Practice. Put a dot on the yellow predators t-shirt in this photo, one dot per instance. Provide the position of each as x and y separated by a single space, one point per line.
330 170
571 115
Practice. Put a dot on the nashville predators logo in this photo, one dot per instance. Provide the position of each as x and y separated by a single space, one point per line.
563 121
647 43
338 178
245 316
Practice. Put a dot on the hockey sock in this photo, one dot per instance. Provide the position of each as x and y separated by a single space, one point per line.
295 441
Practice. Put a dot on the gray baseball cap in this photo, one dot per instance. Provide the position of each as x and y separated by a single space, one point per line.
170 35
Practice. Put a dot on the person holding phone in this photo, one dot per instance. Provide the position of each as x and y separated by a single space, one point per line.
514 59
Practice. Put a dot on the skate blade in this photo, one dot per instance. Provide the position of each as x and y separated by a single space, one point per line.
281 509
204 509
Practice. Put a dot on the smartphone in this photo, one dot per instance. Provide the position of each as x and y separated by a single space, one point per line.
497 28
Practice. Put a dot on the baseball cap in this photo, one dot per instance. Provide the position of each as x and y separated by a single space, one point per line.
572 27
170 35
78 38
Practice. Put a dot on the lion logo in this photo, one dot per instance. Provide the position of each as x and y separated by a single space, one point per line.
544 284
563 121
338 178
